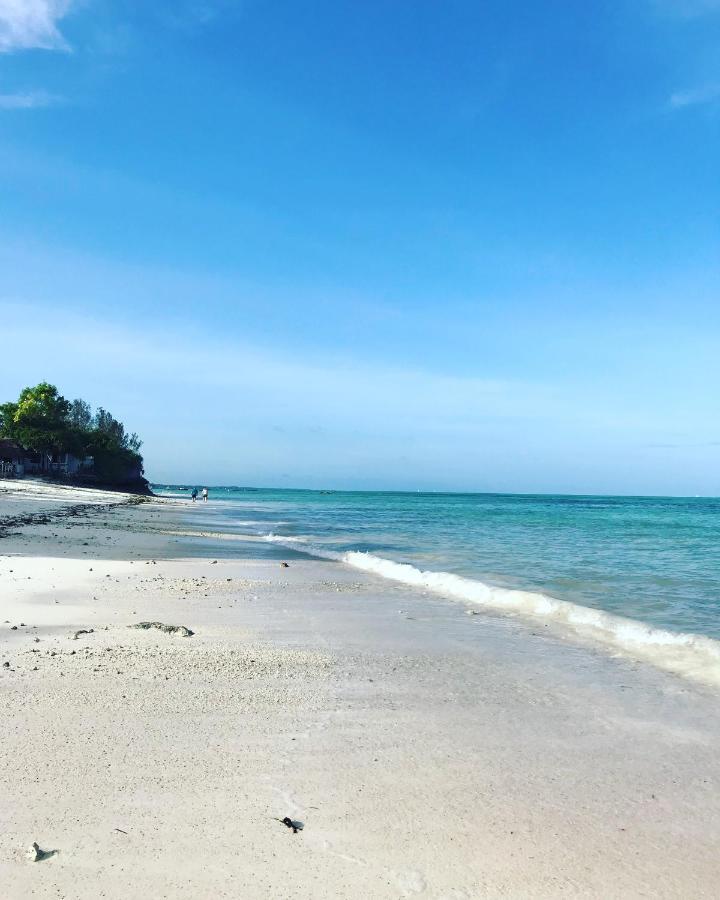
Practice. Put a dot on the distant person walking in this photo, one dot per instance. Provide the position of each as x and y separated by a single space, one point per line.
205 494
194 494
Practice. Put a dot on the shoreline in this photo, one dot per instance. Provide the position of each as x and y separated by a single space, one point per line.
429 753
684 652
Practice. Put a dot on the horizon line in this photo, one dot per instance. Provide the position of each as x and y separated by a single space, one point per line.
235 487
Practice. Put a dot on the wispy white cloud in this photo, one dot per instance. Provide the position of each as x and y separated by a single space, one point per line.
708 93
241 410
28 100
28 24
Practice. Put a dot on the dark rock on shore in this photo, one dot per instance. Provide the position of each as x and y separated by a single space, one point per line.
180 630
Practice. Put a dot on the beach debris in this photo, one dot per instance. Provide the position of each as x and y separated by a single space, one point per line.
83 631
292 823
120 830
168 629
35 854
6 665
285 565
214 562
471 612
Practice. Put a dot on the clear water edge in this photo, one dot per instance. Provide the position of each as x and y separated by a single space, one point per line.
639 573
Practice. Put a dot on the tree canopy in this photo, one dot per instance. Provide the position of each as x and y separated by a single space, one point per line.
42 420
39 418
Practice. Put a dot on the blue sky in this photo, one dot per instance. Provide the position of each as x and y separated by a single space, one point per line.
407 244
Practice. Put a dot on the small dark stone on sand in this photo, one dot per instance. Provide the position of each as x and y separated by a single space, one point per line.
168 629
35 854
296 826
83 631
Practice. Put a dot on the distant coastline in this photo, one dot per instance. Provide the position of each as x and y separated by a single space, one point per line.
44 435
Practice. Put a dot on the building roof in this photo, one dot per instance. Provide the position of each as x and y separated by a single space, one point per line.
10 450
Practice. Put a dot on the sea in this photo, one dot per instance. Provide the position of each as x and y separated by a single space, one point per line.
640 574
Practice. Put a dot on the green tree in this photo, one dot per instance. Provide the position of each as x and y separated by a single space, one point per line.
134 443
80 415
39 420
44 421
114 431
106 424
7 419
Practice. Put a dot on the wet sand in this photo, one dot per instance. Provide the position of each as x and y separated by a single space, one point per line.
427 752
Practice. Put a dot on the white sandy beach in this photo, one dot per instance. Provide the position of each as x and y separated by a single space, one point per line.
427 752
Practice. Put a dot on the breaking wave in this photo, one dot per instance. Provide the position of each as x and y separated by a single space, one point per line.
691 655
287 540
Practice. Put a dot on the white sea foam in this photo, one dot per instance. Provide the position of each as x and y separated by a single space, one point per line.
693 655
287 539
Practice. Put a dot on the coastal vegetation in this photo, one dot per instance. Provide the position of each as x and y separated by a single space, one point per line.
42 421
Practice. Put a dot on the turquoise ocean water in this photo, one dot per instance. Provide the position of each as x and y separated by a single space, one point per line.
654 560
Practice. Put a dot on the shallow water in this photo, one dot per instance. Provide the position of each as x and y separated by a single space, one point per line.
650 559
